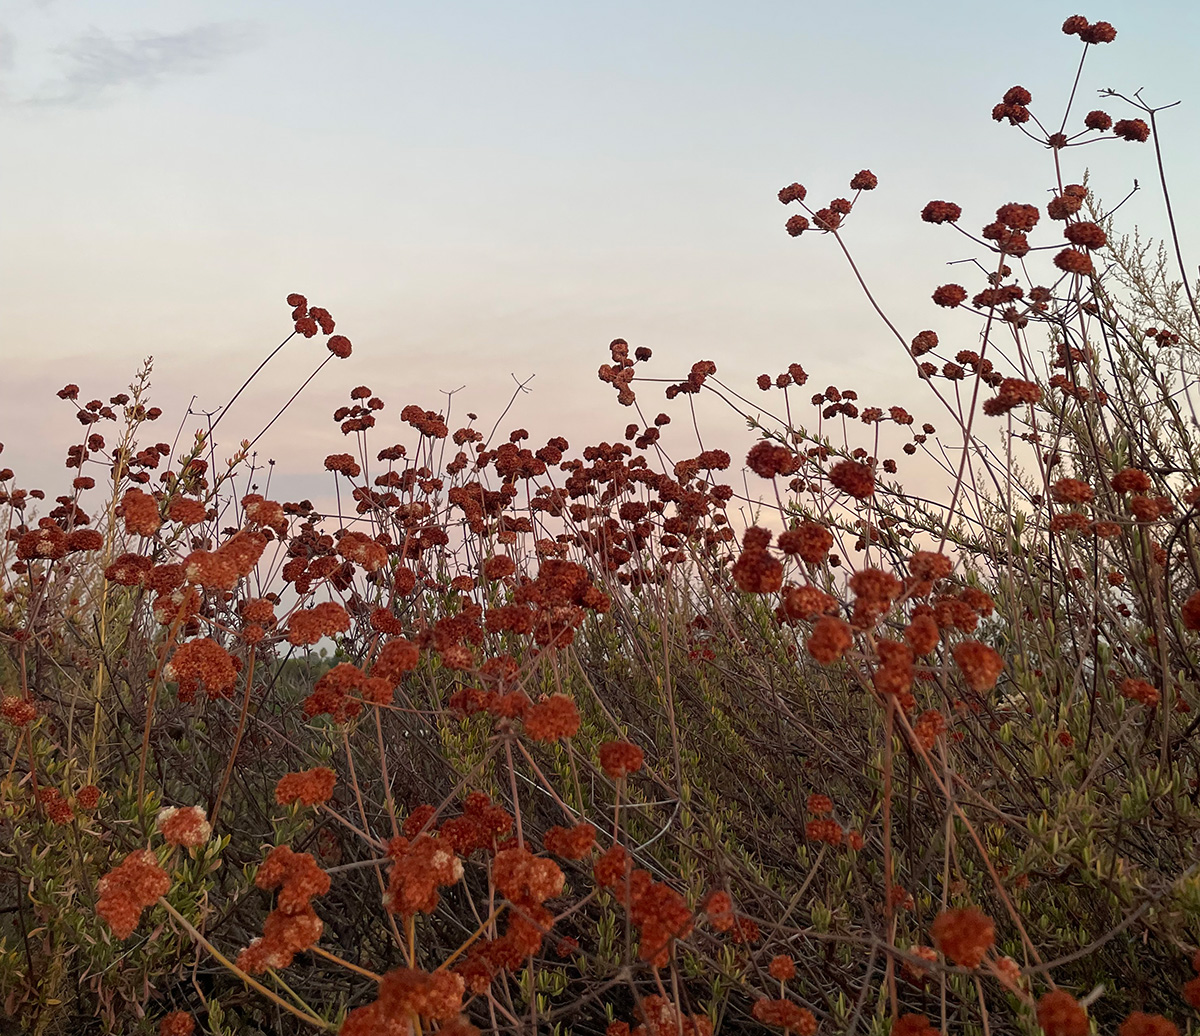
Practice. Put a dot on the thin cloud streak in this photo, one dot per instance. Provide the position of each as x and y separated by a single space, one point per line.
98 64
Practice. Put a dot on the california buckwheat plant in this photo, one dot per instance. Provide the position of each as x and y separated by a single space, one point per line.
592 752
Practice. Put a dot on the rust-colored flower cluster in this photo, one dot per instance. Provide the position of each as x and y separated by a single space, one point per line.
830 639
307 787
619 759
571 843
406 995
1060 1014
309 319
620 372
965 935
552 719
17 710
128 889
421 867
177 1023
293 926
1089 32
202 662
783 1014
756 570
981 665
187 826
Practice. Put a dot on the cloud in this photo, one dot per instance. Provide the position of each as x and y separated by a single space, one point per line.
8 49
98 64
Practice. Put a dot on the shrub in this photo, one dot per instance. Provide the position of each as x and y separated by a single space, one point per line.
588 755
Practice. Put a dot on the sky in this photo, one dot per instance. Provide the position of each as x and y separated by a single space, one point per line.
485 192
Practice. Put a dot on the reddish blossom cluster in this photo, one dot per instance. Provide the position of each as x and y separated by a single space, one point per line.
809 541
782 967
950 295
1013 393
981 665
619 759
853 478
308 787
406 995
307 626
830 640
1089 32
480 826
334 693
941 212
293 926
783 1014
757 571
552 719
691 385
1139 1023
17 710
128 889
819 805
523 878
913 1025
660 1017
58 809
421 867
1060 1014
965 936
768 459
827 831
1189 614
202 661
1014 106
1140 691
187 826
571 843
930 725
429 423
1072 491
620 372
177 1023
874 591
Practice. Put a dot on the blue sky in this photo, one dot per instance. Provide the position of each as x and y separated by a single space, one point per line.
481 190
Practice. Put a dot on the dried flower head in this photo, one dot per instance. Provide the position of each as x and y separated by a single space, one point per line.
941 212
17 710
186 826
618 759
980 664
965 935
1060 1014
853 478
1141 1024
1132 129
830 640
551 719
308 787
950 295
177 1023
128 889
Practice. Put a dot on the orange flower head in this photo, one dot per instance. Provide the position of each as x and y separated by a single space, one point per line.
177 1023
1141 1024
965 935
308 787
187 827
620 758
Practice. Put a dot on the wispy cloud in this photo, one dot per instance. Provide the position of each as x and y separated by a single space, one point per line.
97 64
